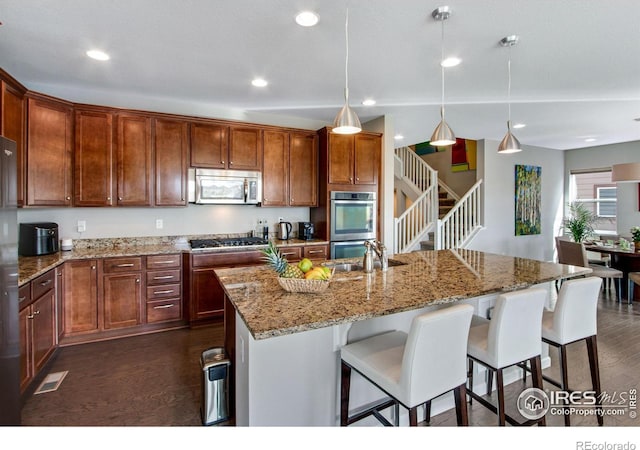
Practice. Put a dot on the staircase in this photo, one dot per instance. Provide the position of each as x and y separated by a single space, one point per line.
437 217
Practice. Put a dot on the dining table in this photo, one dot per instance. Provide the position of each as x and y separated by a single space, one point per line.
623 259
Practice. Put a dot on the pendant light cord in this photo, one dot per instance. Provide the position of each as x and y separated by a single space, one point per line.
442 69
346 63
509 88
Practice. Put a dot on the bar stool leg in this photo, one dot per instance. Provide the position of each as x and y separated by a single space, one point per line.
489 381
592 349
500 387
460 394
345 385
470 377
564 376
427 412
413 416
536 379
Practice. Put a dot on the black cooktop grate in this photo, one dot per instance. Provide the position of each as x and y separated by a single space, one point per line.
227 242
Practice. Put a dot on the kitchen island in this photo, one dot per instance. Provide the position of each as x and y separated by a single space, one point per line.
285 346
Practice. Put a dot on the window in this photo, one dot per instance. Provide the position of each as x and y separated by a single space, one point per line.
594 189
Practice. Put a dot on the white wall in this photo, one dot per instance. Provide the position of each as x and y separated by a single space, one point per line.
497 172
606 156
138 222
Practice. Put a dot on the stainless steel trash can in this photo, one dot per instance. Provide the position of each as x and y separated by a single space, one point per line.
215 386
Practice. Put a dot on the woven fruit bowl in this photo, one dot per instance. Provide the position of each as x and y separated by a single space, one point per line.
303 285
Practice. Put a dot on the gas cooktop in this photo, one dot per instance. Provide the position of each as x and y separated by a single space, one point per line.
226 242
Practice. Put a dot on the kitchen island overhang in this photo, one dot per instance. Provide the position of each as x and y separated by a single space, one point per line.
286 345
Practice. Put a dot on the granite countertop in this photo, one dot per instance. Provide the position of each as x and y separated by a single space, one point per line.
428 278
30 267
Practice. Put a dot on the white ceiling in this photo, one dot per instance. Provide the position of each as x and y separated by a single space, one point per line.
575 72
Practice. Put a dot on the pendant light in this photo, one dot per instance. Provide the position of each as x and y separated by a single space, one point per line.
509 143
443 134
346 122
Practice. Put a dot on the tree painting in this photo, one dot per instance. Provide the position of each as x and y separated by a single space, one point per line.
527 197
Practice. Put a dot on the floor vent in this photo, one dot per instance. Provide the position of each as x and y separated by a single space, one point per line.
51 382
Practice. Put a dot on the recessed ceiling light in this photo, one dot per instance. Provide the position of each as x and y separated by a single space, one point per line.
307 19
98 55
590 140
398 137
452 61
259 82
519 125
368 102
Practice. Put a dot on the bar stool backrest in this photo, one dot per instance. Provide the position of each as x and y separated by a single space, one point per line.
572 253
435 354
574 316
515 330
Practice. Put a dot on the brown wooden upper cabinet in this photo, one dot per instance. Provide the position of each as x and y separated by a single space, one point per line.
133 156
171 145
221 146
13 125
93 158
209 145
49 146
353 159
290 169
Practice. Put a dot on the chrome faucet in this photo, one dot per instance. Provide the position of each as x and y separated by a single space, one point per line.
381 251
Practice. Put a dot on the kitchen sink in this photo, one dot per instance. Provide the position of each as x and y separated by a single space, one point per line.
357 266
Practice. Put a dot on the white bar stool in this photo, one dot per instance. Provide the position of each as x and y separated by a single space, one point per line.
512 336
413 368
572 320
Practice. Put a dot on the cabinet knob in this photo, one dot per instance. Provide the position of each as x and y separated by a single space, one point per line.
119 199
137 280
30 316
222 162
350 178
35 313
230 163
68 198
357 179
93 267
108 199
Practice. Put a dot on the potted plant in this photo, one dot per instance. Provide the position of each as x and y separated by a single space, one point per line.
635 235
580 222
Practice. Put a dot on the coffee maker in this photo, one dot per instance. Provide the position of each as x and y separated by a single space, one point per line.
305 231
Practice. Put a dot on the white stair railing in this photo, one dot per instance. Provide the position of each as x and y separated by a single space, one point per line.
462 222
423 212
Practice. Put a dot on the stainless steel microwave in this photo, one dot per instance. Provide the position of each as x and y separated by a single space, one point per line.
224 187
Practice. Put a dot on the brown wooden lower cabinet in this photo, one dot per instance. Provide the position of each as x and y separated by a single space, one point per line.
81 297
122 300
38 330
206 296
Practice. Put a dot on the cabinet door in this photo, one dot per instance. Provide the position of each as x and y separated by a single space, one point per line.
122 300
303 170
209 145
275 189
171 163
81 296
133 160
367 154
13 127
340 159
245 148
293 254
207 295
26 355
60 300
316 252
93 158
49 153
44 329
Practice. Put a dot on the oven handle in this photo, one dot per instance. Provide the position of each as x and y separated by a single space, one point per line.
362 202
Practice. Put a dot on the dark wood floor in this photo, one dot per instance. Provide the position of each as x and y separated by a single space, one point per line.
155 380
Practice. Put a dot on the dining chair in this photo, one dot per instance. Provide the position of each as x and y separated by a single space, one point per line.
634 278
574 253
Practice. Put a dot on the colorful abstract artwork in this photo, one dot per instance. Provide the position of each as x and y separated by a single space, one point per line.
425 148
527 199
463 155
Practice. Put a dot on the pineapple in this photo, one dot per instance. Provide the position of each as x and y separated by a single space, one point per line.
277 262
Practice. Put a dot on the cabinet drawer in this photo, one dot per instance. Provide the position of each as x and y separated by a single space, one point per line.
43 284
24 295
112 265
163 291
164 310
163 261
315 252
227 259
163 276
291 253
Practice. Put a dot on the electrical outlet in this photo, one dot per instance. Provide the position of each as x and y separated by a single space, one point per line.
82 226
159 224
280 219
